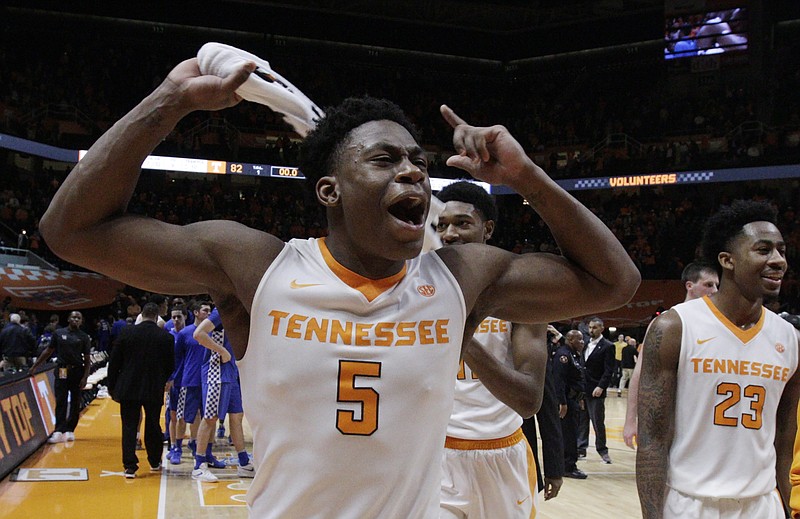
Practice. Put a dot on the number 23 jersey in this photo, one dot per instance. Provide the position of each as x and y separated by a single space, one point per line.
348 386
730 383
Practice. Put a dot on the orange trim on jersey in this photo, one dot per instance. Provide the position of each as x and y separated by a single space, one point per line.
744 335
371 288
533 482
484 445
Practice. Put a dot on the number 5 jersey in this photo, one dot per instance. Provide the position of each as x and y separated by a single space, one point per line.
348 386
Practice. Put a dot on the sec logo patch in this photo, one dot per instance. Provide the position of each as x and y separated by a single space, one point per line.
426 290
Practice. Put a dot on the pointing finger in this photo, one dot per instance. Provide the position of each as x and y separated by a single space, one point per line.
450 116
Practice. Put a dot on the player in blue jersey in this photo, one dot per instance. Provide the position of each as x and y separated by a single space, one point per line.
177 394
193 356
221 395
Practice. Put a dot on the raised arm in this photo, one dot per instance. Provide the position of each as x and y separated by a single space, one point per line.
594 273
657 387
87 223
519 388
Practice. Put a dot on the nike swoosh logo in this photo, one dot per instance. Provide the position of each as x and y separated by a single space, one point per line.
519 502
295 284
703 341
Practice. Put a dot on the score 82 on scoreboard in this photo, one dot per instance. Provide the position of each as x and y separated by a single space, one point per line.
263 170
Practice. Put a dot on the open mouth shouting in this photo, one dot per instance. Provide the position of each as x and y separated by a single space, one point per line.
409 209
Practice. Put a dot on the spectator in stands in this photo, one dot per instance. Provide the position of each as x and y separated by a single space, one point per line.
141 363
72 348
16 344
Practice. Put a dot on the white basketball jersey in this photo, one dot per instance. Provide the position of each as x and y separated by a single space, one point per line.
477 414
730 383
348 386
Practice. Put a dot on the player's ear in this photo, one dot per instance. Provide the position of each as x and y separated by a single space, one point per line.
488 229
726 260
328 191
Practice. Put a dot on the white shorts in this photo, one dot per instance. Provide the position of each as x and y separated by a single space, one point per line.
678 505
487 479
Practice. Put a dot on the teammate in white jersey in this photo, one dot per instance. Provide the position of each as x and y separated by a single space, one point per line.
719 384
360 321
488 468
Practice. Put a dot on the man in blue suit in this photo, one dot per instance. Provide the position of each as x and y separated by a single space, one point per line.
599 363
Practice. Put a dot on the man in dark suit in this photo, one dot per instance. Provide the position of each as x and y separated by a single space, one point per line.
142 360
599 363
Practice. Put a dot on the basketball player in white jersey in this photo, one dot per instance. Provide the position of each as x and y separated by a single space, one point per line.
349 345
488 468
699 280
719 384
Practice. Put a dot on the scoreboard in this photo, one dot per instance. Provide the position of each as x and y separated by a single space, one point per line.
215 167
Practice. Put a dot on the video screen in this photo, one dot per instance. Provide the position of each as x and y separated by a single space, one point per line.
703 34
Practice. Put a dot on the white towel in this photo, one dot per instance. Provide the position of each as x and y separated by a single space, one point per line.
264 86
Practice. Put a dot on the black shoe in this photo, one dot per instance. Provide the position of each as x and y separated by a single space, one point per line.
581 455
576 474
130 473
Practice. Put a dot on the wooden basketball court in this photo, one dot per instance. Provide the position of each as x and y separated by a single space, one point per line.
609 492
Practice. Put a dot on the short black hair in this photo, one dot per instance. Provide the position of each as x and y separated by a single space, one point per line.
471 194
197 303
150 310
321 147
694 270
728 222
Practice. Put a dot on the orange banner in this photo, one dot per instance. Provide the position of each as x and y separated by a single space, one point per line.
40 289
